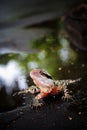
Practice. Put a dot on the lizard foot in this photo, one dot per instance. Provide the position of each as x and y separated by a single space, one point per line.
36 103
67 97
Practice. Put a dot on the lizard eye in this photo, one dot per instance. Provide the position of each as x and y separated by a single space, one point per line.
44 73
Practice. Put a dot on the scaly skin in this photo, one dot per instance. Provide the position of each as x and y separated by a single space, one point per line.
48 86
45 85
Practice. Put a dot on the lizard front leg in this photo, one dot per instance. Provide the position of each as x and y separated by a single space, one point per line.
32 89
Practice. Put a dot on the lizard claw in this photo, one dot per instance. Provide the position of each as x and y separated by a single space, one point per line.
67 97
36 103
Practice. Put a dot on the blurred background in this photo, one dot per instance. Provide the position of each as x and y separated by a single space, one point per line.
46 34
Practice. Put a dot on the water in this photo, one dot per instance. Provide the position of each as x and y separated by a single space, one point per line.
18 55
59 59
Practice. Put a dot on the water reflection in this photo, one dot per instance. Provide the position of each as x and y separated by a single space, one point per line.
10 75
56 57
19 40
32 65
66 53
